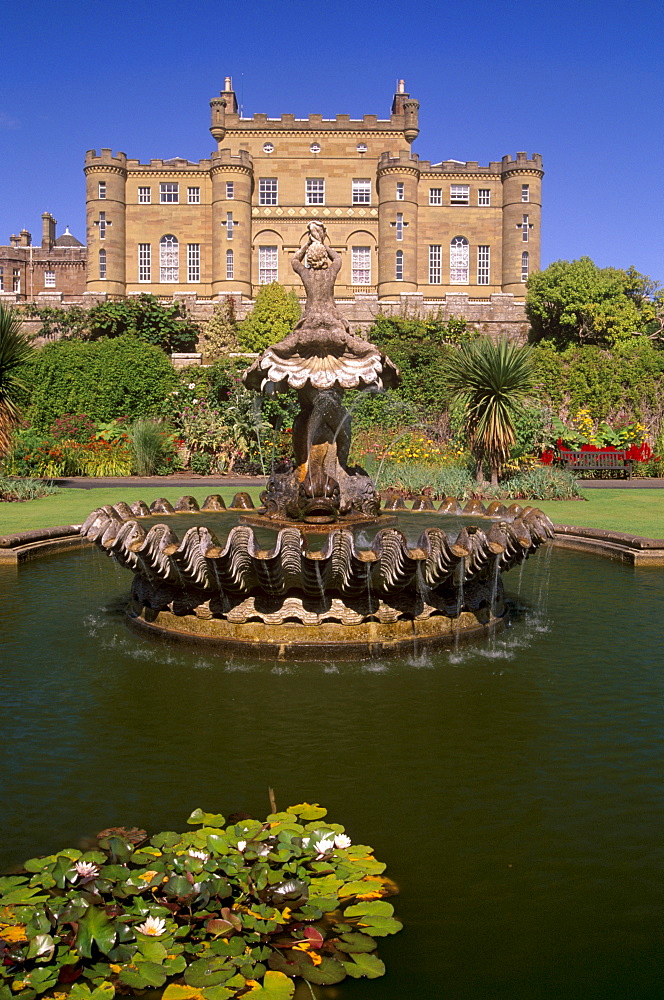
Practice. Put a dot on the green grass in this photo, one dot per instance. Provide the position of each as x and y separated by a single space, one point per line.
638 512
73 506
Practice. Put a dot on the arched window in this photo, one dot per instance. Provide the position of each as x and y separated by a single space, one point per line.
398 266
459 261
230 269
525 261
169 259
102 264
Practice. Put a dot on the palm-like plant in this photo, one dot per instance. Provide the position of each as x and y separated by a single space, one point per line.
14 350
493 381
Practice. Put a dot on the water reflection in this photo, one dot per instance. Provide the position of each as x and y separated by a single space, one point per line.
513 787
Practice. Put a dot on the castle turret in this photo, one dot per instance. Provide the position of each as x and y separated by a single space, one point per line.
398 178
232 184
522 219
220 106
105 182
404 104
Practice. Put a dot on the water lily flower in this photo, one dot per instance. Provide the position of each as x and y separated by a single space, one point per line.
324 846
153 927
342 841
201 855
241 845
85 869
306 841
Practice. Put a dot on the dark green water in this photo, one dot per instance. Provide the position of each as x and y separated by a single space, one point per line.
514 787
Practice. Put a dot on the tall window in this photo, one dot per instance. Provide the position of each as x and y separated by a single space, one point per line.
229 225
525 192
101 190
230 190
193 262
193 196
144 262
435 264
483 265
484 196
361 192
399 225
144 195
102 264
398 266
459 194
400 191
16 278
169 259
267 191
49 279
169 194
2 279
524 265
315 191
268 265
361 265
435 196
230 269
459 261
525 226
102 225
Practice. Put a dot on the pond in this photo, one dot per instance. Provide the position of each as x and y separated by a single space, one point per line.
514 786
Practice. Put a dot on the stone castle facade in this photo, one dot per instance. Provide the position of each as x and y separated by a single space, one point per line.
227 224
46 273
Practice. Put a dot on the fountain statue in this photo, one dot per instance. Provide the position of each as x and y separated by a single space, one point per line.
317 590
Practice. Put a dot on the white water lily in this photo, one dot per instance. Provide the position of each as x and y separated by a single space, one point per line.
85 869
306 841
263 852
342 841
153 927
201 855
241 845
324 846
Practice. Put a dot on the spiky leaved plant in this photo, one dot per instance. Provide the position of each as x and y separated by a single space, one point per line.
14 350
493 381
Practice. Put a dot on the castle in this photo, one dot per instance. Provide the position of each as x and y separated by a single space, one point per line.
228 224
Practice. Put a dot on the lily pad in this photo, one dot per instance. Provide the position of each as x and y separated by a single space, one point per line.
209 972
365 965
206 819
275 986
356 943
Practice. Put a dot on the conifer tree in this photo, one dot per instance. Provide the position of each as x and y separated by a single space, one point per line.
273 317
219 335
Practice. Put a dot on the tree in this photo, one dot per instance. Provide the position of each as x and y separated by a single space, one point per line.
273 317
492 381
219 335
14 350
576 302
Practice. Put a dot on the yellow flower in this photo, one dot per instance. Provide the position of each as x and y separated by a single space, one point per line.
115 968
147 876
12 935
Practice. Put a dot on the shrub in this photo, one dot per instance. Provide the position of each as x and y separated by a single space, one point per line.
72 427
542 483
273 317
152 446
25 489
105 380
219 334
145 317
201 463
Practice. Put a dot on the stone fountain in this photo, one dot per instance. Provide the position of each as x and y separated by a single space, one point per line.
316 591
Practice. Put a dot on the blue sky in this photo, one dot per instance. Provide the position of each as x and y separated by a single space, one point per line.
581 83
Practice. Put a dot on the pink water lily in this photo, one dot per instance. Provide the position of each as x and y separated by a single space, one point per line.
85 869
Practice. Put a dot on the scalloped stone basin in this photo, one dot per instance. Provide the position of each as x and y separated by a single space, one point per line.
311 593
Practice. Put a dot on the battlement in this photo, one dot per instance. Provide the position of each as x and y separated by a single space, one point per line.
120 160
225 157
521 161
313 123
404 158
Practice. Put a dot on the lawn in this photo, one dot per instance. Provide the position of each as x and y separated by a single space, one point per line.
638 512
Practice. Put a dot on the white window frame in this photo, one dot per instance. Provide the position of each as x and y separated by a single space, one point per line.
101 190
435 196
268 191
398 265
16 280
49 279
459 194
525 265
484 196
102 264
268 265
144 262
525 227
483 265
435 264
401 191
102 225
360 265
169 193
230 190
144 196
193 196
399 226
193 263
459 261
525 192
169 260
361 191
230 225
314 189
230 265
